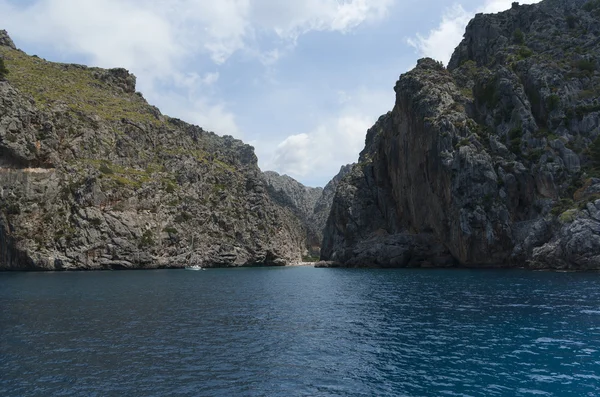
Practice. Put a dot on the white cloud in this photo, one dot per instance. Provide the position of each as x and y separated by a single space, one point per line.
291 18
111 33
213 117
154 35
161 40
193 80
501 5
209 113
316 156
321 151
441 41
293 154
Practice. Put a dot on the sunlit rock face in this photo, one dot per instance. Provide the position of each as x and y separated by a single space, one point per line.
491 161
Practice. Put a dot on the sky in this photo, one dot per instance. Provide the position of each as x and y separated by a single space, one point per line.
300 80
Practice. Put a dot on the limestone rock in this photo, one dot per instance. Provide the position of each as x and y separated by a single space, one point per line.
93 177
310 205
301 200
322 207
6 41
576 245
486 162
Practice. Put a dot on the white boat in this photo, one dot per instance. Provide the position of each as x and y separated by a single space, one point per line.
190 266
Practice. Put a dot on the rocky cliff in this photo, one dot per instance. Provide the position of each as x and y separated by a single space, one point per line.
322 207
92 177
310 205
489 162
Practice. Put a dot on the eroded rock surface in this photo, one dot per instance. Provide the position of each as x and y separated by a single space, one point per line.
310 205
92 177
489 162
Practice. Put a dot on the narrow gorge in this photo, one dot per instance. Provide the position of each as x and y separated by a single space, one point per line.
492 161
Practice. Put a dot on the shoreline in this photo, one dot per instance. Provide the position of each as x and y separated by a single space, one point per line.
320 264
297 264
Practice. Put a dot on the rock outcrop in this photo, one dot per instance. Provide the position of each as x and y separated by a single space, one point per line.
489 162
92 177
310 205
6 41
322 207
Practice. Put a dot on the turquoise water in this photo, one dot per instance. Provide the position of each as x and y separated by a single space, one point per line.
300 332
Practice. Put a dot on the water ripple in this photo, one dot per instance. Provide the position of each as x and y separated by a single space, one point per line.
300 332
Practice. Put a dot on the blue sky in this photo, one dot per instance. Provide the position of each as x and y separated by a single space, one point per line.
300 80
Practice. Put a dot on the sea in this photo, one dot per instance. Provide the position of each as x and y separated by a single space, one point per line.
300 331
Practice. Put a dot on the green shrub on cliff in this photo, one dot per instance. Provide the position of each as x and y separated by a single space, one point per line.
146 240
524 52
518 36
594 152
3 69
586 65
553 102
591 5
105 169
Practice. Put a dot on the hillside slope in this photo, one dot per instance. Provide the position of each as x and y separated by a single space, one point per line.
93 177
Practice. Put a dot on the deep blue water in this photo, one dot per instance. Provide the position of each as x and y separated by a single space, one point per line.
300 332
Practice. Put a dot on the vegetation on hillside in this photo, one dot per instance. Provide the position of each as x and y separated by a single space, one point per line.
77 86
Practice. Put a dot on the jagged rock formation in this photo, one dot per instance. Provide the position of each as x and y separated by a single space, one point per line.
322 207
490 162
6 41
310 205
93 177
300 199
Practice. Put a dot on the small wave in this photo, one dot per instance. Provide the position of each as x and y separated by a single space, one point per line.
551 378
552 340
513 305
497 387
534 392
525 352
590 311
452 393
583 376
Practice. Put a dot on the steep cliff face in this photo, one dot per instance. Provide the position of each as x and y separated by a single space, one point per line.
310 205
322 207
490 162
91 176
